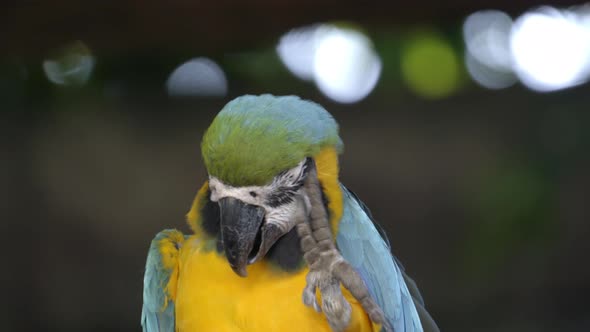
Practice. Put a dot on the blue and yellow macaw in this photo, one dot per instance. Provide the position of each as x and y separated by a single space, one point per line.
258 239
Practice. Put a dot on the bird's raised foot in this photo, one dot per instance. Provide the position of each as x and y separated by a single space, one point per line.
327 268
333 304
326 275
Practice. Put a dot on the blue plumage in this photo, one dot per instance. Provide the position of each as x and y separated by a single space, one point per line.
366 250
307 121
155 279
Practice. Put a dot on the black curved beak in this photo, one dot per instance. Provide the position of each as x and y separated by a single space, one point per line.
240 232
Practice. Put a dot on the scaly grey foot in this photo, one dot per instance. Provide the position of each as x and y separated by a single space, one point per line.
327 268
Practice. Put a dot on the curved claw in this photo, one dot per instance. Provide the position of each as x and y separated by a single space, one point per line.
336 308
352 281
309 296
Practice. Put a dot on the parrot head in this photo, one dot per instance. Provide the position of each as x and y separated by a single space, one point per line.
257 152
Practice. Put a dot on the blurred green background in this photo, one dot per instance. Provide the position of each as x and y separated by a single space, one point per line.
466 131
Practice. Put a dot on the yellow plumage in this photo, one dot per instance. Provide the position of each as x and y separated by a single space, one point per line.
211 297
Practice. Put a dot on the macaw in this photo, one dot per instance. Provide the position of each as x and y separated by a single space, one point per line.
257 240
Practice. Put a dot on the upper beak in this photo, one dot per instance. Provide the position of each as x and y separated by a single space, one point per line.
240 231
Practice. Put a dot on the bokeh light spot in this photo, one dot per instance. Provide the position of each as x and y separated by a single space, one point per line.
487 38
551 49
198 77
487 57
346 67
297 48
486 76
341 61
430 67
72 65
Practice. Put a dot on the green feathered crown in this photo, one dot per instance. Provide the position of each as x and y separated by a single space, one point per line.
254 138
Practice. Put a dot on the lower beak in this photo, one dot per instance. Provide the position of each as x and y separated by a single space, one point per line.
240 231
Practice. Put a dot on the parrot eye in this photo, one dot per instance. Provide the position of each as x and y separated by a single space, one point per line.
253 194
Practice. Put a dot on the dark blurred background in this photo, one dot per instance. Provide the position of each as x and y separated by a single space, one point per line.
466 130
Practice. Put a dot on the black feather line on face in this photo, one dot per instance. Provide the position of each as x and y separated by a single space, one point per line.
280 197
285 194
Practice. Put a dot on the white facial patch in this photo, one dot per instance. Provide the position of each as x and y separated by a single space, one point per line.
277 198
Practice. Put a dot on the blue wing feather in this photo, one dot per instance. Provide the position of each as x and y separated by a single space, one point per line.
362 245
157 314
